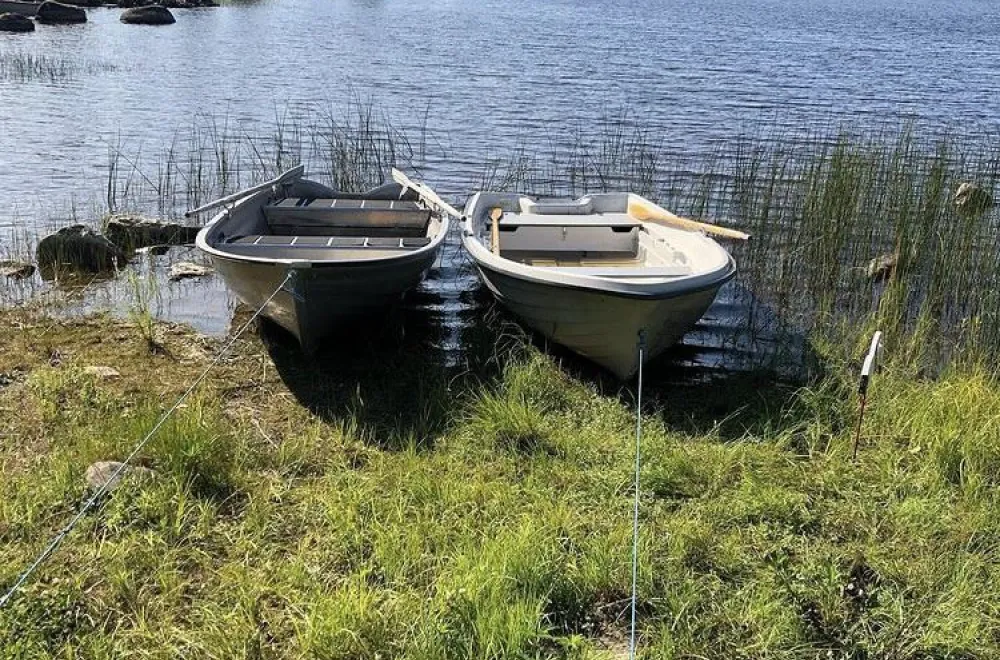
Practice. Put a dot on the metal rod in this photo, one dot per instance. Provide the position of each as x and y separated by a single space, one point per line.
293 173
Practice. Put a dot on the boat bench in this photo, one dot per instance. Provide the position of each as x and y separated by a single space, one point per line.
342 242
305 216
606 236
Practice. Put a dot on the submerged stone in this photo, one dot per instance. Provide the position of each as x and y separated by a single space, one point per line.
16 23
130 232
17 270
148 15
185 269
78 248
57 12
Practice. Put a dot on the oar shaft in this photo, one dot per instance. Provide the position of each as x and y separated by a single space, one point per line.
293 173
425 192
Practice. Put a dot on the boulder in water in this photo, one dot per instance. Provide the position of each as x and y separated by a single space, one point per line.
78 248
131 232
57 12
148 15
971 199
16 23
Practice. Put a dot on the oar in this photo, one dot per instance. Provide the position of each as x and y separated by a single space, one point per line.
643 209
495 215
289 175
426 193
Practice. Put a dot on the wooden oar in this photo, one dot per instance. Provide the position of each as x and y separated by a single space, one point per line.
425 192
643 209
289 175
495 214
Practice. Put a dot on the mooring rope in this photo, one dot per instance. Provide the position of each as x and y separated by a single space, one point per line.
113 479
635 507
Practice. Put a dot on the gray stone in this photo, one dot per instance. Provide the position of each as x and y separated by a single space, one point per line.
102 474
148 15
130 232
881 267
16 23
185 269
971 199
78 248
57 12
102 372
17 270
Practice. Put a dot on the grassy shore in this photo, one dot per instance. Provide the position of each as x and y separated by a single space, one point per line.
375 505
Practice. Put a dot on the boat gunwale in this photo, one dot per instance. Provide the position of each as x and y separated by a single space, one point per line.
659 289
203 244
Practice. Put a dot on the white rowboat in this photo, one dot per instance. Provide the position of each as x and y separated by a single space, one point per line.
591 275
344 255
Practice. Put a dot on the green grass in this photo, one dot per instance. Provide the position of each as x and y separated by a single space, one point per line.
275 531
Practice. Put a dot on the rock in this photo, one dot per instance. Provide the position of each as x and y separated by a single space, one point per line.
16 23
102 474
882 267
104 373
185 269
130 232
971 199
57 12
78 247
172 4
148 15
154 250
17 270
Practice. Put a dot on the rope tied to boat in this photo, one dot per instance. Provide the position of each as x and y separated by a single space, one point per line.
635 505
96 499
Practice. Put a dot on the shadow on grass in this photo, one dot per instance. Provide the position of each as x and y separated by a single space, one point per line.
387 375
738 372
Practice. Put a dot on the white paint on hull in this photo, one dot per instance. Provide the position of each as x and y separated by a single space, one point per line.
603 328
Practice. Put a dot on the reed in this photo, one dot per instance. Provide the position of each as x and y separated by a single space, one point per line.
20 66
849 229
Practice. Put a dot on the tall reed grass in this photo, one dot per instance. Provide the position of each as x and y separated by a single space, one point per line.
849 228
19 66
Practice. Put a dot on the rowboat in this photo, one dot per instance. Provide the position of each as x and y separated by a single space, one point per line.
599 274
313 258
19 7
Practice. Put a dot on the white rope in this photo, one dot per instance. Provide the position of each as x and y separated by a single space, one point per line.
635 507
113 479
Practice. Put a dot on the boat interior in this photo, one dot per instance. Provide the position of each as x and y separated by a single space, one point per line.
590 236
319 224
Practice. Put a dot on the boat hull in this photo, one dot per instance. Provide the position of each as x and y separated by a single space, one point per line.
316 300
602 326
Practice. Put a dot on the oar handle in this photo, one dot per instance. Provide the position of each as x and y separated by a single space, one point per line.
643 209
291 174
425 192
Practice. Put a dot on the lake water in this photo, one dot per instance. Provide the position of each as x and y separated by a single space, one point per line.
477 77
